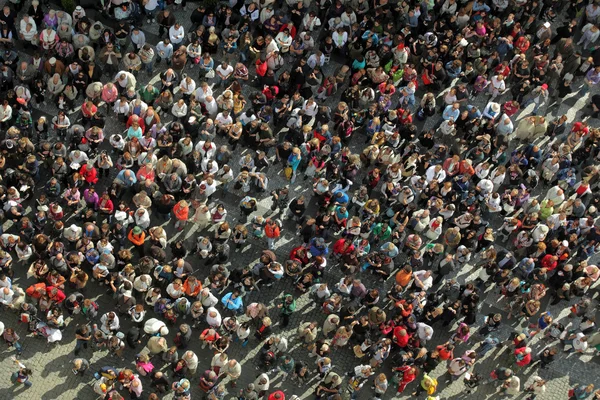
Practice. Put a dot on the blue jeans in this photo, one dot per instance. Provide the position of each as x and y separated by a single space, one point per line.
80 344
18 347
271 243
148 67
584 89
221 81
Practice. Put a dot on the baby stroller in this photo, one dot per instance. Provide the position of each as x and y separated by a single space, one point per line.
42 329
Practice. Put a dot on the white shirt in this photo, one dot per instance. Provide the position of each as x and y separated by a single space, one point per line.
187 88
427 282
201 94
176 35
430 174
222 120
6 298
112 327
213 321
310 110
226 72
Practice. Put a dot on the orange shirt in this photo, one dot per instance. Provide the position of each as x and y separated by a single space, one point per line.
137 240
403 278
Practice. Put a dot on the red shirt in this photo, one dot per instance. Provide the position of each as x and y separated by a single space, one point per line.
444 353
548 263
401 341
88 112
273 395
90 175
579 127
338 247
510 109
140 121
58 297
501 69
526 357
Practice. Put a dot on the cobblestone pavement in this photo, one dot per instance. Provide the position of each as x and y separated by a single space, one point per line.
53 379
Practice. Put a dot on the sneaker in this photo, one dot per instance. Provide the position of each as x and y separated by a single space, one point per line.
148 20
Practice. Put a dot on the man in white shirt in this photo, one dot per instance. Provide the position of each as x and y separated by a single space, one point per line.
5 113
26 21
176 34
6 297
109 323
435 172
578 343
211 106
150 10
224 72
423 280
223 121
556 194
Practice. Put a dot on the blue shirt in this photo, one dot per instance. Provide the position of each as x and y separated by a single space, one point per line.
344 199
132 180
294 161
230 303
340 214
451 113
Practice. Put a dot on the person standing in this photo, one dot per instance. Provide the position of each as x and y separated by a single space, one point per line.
233 370
137 237
181 211
272 232
82 336
22 375
286 306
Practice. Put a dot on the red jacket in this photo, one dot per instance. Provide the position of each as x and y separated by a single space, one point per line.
90 175
36 290
58 297
278 395
272 230
501 69
401 341
548 263
141 123
526 358
108 204
295 256
338 247
510 109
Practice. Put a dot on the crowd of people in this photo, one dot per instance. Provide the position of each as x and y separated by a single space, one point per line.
383 213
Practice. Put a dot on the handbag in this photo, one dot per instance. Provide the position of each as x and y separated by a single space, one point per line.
289 172
210 74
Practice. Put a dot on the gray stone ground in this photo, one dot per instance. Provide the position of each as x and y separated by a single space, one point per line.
53 378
